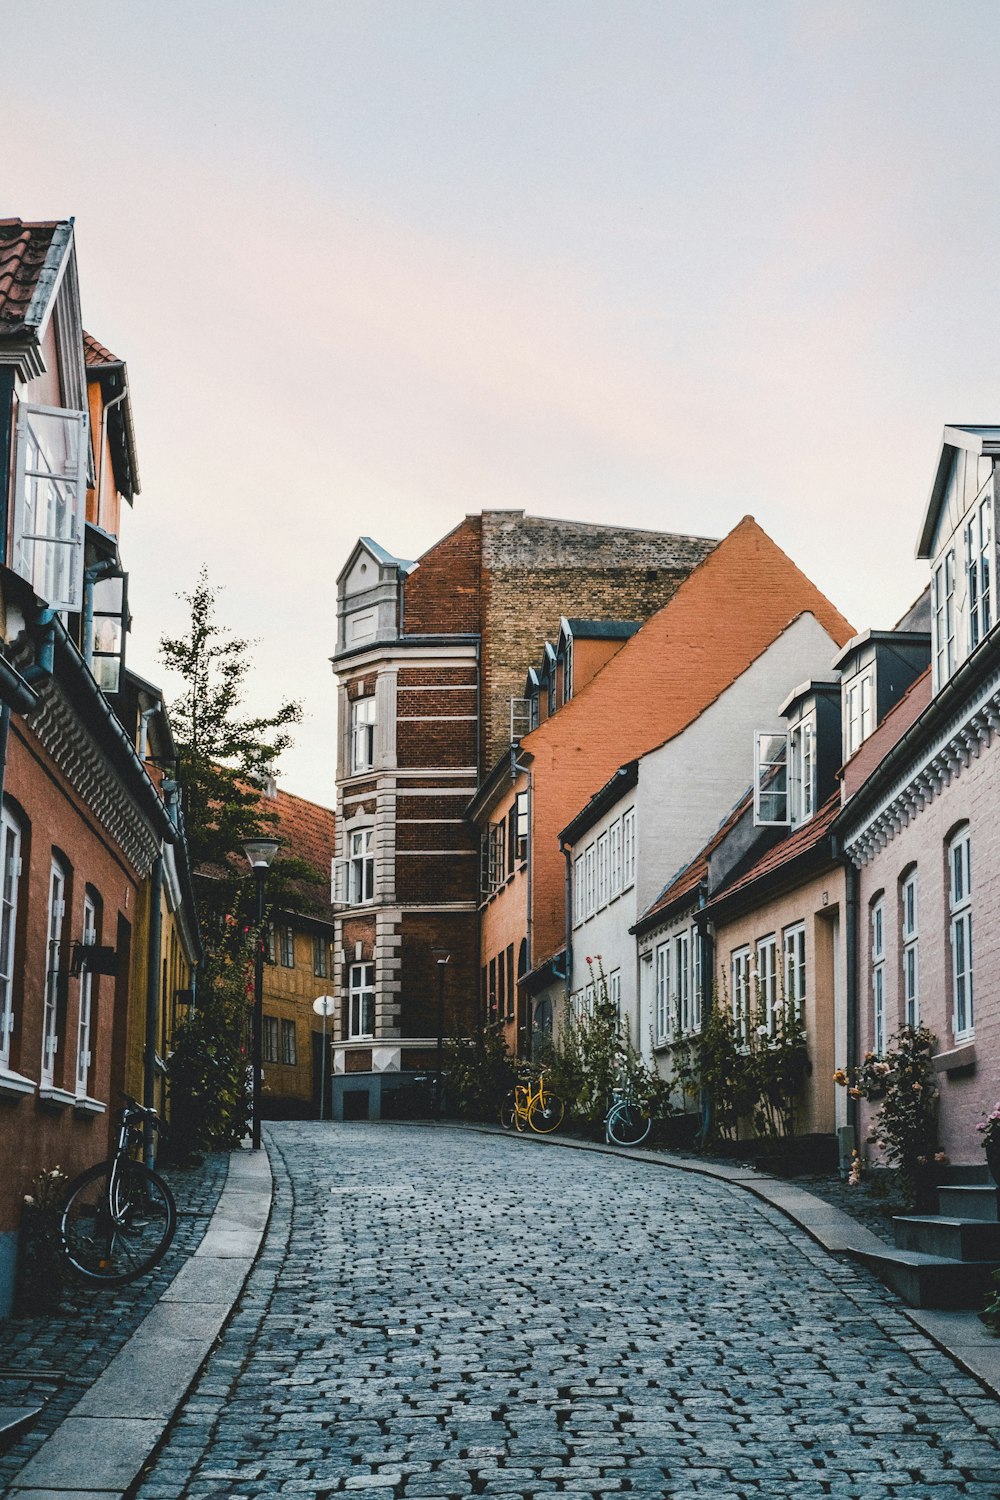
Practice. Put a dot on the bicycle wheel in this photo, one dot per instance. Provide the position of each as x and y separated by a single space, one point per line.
546 1113
507 1112
115 1250
627 1125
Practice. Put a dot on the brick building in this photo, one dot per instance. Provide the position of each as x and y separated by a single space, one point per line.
429 656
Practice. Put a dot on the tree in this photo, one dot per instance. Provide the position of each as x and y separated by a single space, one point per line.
224 756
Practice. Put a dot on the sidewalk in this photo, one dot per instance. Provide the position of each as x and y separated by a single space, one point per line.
112 1367
961 1334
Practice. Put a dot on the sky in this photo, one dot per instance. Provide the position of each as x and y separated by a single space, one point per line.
375 266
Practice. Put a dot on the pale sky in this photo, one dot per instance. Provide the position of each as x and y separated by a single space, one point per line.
377 265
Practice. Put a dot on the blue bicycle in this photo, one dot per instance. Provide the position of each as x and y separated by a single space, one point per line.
626 1122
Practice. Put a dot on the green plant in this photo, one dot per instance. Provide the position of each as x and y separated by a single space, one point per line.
41 1268
905 1127
208 1070
480 1070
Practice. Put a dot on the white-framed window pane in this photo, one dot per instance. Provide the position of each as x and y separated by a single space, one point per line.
794 947
770 791
911 986
628 848
767 981
50 1023
696 980
83 1048
50 496
615 989
10 871
741 993
615 857
602 870
362 1000
662 988
579 892
878 1010
363 734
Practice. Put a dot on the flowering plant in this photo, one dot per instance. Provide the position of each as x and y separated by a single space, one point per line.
40 1266
905 1127
990 1128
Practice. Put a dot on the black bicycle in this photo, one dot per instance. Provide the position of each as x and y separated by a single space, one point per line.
119 1216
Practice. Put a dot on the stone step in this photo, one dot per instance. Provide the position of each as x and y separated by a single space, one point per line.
967 1174
972 1201
13 1421
932 1280
955 1239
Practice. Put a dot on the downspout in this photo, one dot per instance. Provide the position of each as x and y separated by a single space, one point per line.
515 767
566 850
45 649
100 460
852 882
152 1004
707 996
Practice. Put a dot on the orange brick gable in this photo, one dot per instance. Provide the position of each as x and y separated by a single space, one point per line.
728 610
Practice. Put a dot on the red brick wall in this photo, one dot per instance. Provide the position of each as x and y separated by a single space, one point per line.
421 932
441 596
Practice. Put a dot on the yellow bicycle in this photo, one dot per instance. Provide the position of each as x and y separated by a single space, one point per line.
531 1102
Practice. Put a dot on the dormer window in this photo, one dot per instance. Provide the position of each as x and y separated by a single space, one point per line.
859 710
568 670
785 775
944 617
49 504
978 555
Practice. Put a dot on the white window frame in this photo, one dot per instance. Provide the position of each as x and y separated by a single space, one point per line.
767 980
802 770
615 989
50 1019
10 884
628 848
696 980
793 947
859 710
662 971
979 570
83 1029
361 1001
362 734
960 915
50 556
579 891
682 982
615 859
361 866
770 778
876 921
602 871
910 958
943 613
740 969
590 879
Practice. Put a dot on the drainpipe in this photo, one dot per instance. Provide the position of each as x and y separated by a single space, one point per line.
852 882
144 717
92 575
566 851
100 461
45 649
515 767
152 1005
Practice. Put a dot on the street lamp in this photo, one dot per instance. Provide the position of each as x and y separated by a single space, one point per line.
259 853
441 956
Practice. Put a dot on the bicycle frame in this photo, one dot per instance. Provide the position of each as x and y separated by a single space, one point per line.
128 1133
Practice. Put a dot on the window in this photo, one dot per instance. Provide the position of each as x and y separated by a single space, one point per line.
319 957
878 977
493 989
944 617
682 982
960 905
579 891
110 624
53 979
767 982
83 1031
270 944
288 1053
911 966
510 981
978 550
602 870
568 670
495 868
362 1000
590 878
628 848
802 771
741 994
551 689
50 496
615 990
501 985
695 979
858 712
10 873
770 781
287 948
521 820
363 734
793 944
662 990
615 859
269 1039
361 866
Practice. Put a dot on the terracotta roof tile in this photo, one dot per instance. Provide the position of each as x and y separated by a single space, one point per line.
95 354
800 841
304 828
23 248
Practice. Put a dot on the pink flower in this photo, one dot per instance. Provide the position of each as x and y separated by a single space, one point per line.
917 1088
941 1157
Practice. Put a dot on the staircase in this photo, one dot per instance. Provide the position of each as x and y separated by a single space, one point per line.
945 1259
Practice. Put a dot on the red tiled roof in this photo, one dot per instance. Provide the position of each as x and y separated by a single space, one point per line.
305 829
95 354
800 841
693 874
23 248
872 751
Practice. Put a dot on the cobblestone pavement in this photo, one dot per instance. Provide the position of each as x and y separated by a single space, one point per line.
55 1357
443 1314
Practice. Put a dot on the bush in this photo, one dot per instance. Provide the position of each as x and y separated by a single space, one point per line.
905 1128
480 1071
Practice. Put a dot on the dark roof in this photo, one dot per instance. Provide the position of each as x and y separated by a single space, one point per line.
603 630
23 252
799 842
688 879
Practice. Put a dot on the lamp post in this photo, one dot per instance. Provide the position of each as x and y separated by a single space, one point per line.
323 1005
259 853
441 956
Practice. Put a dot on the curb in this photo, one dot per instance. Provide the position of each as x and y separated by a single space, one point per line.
101 1446
961 1335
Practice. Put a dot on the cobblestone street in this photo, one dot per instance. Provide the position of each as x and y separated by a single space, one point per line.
439 1313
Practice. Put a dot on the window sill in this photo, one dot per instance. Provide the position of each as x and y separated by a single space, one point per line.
960 1059
15 1085
54 1098
84 1105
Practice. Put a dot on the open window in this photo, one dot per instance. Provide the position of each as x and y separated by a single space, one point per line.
49 503
770 779
110 625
